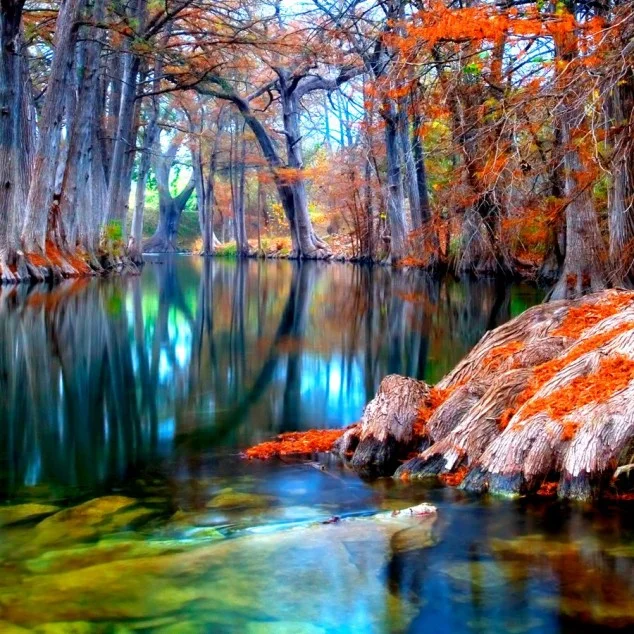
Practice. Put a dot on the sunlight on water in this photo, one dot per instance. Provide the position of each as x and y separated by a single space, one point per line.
125 507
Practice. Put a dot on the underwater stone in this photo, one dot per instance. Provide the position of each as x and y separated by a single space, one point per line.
25 512
230 499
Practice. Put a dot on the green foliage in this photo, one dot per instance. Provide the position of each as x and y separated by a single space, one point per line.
113 231
227 250
472 69
455 246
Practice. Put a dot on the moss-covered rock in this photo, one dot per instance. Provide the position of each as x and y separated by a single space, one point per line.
230 499
25 513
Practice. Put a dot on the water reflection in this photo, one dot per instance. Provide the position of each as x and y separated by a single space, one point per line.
99 376
145 388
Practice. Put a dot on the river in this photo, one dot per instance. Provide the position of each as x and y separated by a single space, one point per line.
125 505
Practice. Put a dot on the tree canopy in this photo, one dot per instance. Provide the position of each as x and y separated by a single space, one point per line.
484 137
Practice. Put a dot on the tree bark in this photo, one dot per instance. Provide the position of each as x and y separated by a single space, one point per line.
394 186
11 163
585 263
76 179
621 209
40 199
125 139
170 208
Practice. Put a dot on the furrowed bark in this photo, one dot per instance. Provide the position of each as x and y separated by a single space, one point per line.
40 199
10 156
73 205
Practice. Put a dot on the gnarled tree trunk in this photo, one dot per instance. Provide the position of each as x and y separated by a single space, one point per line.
170 208
10 156
40 199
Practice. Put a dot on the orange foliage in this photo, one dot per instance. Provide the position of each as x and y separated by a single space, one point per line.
547 489
613 374
454 479
54 256
580 318
434 400
306 442
505 418
546 371
499 354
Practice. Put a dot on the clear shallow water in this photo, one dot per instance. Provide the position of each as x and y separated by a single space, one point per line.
132 398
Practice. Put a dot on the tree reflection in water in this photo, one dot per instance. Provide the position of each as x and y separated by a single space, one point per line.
100 376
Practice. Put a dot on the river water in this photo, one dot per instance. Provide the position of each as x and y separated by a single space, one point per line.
125 506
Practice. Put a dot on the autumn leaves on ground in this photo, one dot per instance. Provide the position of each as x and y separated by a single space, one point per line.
542 404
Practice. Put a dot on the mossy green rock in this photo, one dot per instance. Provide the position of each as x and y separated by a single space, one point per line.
76 627
88 520
106 550
24 513
9 628
227 585
230 499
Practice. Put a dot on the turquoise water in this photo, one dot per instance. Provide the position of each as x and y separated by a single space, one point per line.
125 506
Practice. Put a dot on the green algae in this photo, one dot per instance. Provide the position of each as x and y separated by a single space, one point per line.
244 579
89 520
231 499
84 556
74 627
25 513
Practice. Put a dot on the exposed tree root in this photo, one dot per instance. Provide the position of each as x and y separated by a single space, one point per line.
385 432
55 265
543 404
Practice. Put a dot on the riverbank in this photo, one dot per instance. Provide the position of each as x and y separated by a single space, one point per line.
56 265
524 269
542 405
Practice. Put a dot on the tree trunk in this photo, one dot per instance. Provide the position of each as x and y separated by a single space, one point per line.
76 179
419 158
10 108
621 210
40 198
394 194
136 232
528 410
585 263
125 139
584 269
409 166
308 244
170 208
387 429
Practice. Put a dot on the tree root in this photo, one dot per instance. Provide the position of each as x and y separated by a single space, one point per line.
385 432
58 265
543 402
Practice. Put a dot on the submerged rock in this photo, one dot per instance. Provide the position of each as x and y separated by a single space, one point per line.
232 583
91 512
84 556
25 512
230 499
